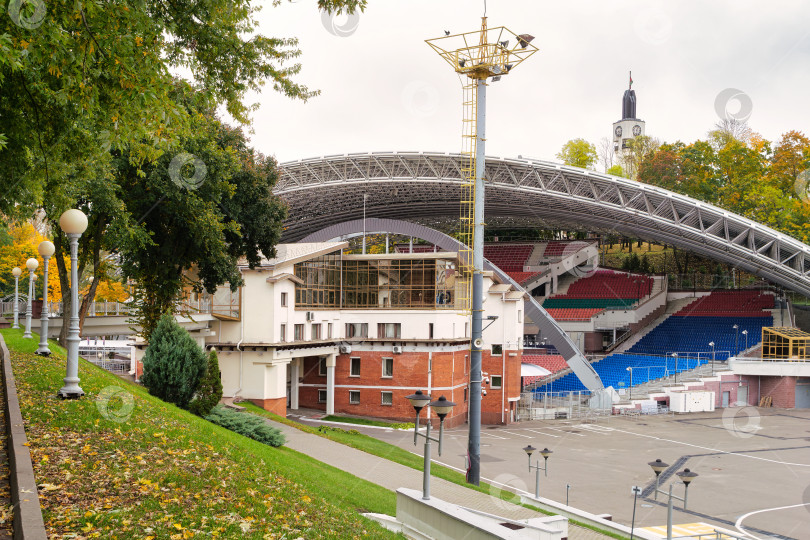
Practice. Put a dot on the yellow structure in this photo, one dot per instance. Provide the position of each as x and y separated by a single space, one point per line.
785 343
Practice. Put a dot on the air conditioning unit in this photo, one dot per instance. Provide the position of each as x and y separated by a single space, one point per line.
397 349
310 315
345 349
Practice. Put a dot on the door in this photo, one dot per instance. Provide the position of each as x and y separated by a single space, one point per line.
802 393
726 398
742 396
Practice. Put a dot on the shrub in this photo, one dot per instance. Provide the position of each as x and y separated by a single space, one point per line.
173 363
210 390
246 424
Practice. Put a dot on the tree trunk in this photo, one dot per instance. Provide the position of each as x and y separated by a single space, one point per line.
64 283
91 293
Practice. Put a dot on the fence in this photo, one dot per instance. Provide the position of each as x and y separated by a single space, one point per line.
560 405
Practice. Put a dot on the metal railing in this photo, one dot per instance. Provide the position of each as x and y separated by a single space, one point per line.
559 405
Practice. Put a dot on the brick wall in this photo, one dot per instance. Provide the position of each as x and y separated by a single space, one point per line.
450 371
781 389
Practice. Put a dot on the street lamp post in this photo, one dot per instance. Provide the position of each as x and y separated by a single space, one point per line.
630 369
745 333
73 222
675 356
545 452
686 477
441 407
711 344
46 249
736 339
16 273
32 265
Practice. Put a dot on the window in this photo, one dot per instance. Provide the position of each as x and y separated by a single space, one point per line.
430 330
322 367
298 332
495 381
283 299
387 398
389 330
466 329
465 395
316 331
520 315
387 367
321 396
356 330
497 350
329 331
282 335
354 396
354 368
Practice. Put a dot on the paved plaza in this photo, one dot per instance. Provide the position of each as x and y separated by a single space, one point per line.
753 465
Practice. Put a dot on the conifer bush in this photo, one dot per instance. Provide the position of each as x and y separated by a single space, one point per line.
210 390
246 424
173 363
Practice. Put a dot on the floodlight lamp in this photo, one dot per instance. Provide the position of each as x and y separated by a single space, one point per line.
496 78
505 44
524 40
461 62
711 344
509 67
447 32
744 332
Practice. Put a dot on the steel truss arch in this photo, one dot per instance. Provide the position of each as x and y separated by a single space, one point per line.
421 185
547 325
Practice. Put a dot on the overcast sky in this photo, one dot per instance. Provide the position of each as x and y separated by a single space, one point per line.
383 88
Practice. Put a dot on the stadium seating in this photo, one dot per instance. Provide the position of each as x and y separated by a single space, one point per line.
522 277
605 289
508 257
573 314
730 304
551 362
591 303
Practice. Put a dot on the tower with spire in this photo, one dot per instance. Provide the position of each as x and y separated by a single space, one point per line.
629 126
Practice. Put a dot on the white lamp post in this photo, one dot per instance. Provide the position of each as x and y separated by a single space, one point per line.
74 223
46 249
745 333
16 273
711 344
32 265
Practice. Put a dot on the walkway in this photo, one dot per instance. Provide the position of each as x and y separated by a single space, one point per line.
6 511
393 475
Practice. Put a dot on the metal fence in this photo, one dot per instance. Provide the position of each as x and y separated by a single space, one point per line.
560 405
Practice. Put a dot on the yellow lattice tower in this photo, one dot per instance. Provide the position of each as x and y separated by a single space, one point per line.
477 56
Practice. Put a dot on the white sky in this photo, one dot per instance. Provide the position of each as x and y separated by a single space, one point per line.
383 88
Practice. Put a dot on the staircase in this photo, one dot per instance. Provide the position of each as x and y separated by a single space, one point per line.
657 386
672 307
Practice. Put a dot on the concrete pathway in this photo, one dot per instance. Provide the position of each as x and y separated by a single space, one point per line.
393 475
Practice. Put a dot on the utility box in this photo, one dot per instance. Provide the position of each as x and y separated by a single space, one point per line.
684 402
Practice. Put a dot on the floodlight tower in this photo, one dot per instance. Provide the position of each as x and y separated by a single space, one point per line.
478 56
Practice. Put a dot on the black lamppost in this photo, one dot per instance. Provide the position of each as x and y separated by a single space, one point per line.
441 407
545 452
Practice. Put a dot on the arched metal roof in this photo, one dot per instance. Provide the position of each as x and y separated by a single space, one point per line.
547 325
426 186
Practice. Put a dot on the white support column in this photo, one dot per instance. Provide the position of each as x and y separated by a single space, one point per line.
294 374
331 360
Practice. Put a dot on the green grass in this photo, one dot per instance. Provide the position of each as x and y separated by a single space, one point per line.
382 449
156 471
368 422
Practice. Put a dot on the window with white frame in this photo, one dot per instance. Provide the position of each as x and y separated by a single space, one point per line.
316 331
356 330
387 367
354 397
283 299
322 367
520 315
329 331
389 330
387 398
430 330
495 381
282 334
497 349
321 396
298 331
354 367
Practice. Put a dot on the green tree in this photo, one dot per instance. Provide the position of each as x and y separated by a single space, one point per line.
578 153
173 363
209 391
616 170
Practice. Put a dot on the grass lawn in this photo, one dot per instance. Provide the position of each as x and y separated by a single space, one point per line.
141 468
368 422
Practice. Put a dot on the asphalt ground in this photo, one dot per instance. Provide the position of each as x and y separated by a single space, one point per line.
753 465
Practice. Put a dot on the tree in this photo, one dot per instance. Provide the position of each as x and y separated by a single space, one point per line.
607 154
173 363
637 149
578 153
616 170
210 390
